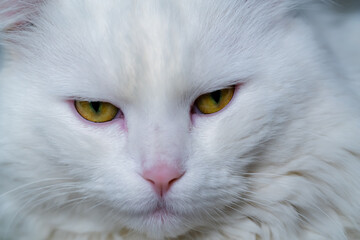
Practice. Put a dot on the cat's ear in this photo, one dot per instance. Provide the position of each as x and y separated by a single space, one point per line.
16 17
15 14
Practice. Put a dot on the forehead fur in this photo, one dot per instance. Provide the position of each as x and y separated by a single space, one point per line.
140 46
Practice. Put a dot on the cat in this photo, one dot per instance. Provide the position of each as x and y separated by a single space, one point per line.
169 119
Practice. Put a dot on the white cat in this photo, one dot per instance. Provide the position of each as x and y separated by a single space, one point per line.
184 119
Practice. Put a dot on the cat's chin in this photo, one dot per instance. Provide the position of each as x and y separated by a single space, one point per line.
161 223
157 223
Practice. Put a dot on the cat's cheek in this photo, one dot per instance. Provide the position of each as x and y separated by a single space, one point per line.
118 120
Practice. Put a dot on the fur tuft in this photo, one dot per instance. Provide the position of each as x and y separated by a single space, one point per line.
15 12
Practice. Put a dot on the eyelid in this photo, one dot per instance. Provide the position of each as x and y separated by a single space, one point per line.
211 90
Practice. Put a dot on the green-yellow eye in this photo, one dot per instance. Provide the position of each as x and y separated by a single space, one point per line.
215 101
96 111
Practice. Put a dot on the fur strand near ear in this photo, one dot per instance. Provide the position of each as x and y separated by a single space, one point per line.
13 12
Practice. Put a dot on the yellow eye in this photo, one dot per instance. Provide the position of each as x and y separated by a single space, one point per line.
214 101
96 111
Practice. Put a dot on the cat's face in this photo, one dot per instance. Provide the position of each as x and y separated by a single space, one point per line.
152 61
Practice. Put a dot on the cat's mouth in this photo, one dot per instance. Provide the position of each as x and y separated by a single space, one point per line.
161 213
162 222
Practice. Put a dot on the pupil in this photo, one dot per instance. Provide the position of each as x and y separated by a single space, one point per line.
216 96
95 106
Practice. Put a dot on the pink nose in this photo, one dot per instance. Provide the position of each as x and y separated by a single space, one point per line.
162 177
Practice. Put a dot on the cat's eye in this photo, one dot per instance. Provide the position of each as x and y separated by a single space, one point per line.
96 111
215 101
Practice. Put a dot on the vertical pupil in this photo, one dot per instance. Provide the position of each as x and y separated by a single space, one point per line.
216 96
95 106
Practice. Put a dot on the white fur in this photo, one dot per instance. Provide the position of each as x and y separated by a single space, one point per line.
281 161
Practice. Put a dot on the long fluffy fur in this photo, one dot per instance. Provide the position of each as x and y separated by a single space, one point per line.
281 162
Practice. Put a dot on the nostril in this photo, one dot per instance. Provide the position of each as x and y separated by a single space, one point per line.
162 177
149 180
173 180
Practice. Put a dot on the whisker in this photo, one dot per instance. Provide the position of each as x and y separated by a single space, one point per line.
32 183
40 201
